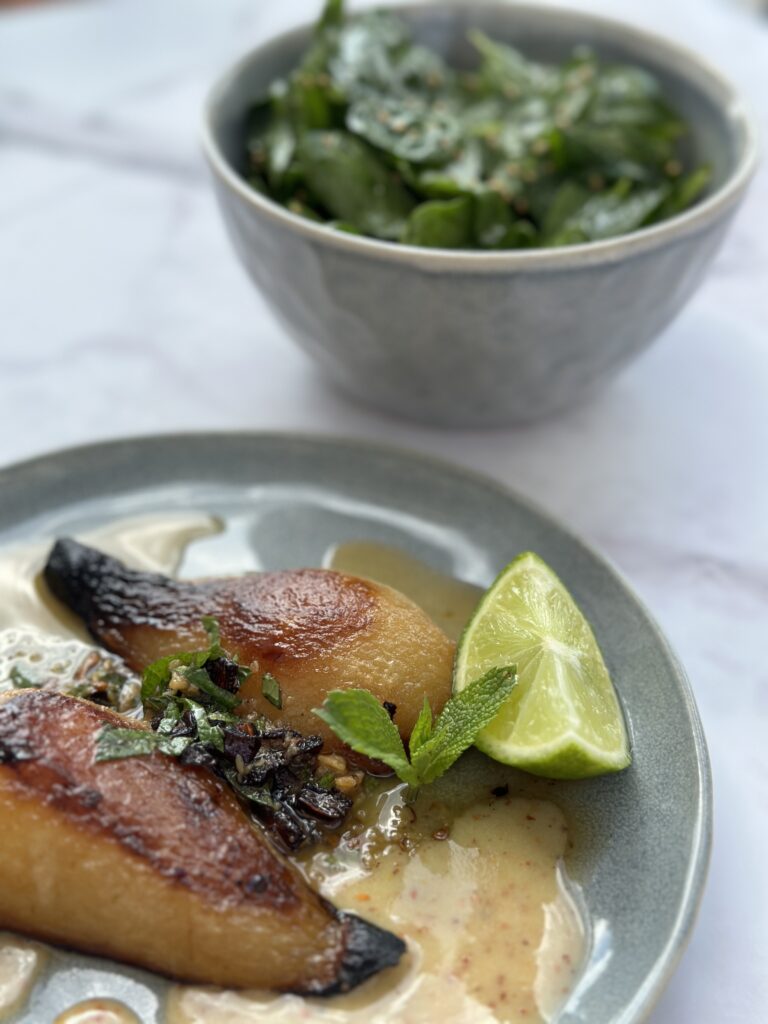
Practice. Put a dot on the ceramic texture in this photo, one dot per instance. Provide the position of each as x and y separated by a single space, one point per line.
482 339
641 838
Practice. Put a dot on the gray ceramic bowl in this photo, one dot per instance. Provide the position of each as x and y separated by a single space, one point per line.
482 338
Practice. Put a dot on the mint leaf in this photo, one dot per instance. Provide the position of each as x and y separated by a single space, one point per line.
462 718
362 723
211 627
199 677
207 731
113 744
422 730
191 665
270 688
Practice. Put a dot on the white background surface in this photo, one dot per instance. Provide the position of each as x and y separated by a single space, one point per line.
122 311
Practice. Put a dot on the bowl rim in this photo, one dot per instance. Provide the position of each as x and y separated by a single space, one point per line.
687 63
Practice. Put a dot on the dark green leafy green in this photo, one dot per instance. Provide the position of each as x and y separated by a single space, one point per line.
371 128
406 127
459 177
360 721
616 212
354 184
441 224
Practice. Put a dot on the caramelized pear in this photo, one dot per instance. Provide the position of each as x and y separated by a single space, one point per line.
155 863
315 630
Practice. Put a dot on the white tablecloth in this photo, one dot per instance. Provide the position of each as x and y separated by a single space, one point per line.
122 311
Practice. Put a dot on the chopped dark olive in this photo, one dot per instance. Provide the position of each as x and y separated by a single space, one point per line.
374 134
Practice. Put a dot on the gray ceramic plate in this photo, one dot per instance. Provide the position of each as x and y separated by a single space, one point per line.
641 839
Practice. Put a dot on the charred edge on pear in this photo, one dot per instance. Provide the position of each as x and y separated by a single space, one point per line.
39 760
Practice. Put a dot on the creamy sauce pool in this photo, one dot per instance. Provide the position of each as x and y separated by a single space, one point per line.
471 875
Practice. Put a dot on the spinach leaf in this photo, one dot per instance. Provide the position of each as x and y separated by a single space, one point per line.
461 176
353 184
441 224
407 127
612 213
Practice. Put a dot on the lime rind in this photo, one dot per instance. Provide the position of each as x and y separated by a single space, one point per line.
563 719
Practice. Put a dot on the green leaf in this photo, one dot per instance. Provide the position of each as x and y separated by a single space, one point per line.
191 666
612 213
211 627
408 128
171 716
326 781
154 680
442 224
569 198
504 69
493 219
223 698
462 718
521 235
461 176
684 193
362 723
207 731
332 15
353 184
113 743
270 689
366 53
21 681
422 730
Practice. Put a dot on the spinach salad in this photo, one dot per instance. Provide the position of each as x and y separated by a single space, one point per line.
375 134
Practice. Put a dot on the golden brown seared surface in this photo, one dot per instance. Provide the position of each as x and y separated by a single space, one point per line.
314 629
155 863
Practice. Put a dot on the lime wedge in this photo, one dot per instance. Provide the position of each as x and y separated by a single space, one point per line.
563 719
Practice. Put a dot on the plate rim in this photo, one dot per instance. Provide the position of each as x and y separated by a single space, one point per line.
647 995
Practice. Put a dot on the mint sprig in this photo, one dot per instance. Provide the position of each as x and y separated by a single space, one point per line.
358 719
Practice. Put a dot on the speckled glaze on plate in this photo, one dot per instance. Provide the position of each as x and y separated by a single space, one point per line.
465 338
641 838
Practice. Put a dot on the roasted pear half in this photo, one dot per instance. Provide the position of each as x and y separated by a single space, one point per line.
313 629
155 863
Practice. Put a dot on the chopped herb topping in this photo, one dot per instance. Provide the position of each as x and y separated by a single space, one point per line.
273 770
